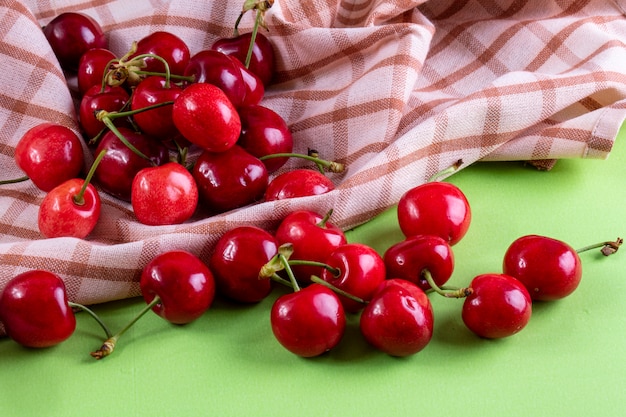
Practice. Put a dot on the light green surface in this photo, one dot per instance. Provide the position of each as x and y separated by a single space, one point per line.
569 361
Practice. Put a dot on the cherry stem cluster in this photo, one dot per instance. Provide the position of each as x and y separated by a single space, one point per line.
446 291
606 248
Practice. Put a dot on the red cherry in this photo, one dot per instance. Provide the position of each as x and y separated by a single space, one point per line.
308 322
110 99
499 306
71 34
298 183
264 132
230 179
255 90
167 46
236 262
262 62
49 154
205 116
184 284
399 318
435 208
35 311
313 238
92 67
164 195
213 67
157 122
359 272
120 165
409 259
61 215
549 269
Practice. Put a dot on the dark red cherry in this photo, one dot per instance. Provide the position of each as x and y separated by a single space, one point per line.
255 90
71 34
262 61
265 132
35 311
167 46
110 99
92 67
298 183
230 179
158 122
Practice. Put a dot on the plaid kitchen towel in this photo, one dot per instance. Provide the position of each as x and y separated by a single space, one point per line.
396 90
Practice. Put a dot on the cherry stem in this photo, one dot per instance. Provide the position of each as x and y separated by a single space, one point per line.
255 30
109 345
446 292
79 198
446 172
335 271
97 318
15 180
606 248
325 219
322 164
109 123
318 280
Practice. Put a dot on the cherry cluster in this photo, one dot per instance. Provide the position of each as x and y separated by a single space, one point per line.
146 113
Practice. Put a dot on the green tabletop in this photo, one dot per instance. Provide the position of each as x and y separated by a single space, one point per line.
569 361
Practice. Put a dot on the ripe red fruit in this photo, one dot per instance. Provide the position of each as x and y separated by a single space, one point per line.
167 46
49 154
111 99
205 116
549 268
308 322
499 306
35 311
298 183
158 122
164 195
435 208
184 284
92 66
262 62
399 318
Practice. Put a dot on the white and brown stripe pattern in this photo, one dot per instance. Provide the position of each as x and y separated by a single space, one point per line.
397 90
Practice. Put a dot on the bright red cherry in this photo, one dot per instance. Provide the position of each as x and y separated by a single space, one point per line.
205 116
359 270
236 262
71 34
262 62
265 132
298 183
164 195
167 46
61 214
313 238
50 154
499 306
110 99
92 67
35 311
399 318
409 259
230 179
308 322
158 122
184 284
549 268
435 208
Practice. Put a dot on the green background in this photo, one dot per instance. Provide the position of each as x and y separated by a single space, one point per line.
569 361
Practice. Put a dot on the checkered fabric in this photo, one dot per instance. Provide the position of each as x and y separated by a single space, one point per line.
396 90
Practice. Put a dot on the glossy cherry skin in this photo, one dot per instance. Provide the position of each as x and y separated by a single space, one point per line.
184 284
435 208
230 179
499 306
167 46
308 322
205 116
158 122
61 216
312 238
92 67
298 183
213 67
265 132
71 34
164 195
255 90
399 318
111 99
409 259
549 268
49 154
262 62
237 259
120 165
35 311
361 270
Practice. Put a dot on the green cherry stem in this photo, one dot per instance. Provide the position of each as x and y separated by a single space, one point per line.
97 318
446 172
104 116
337 290
15 180
606 248
109 345
322 164
446 292
79 198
